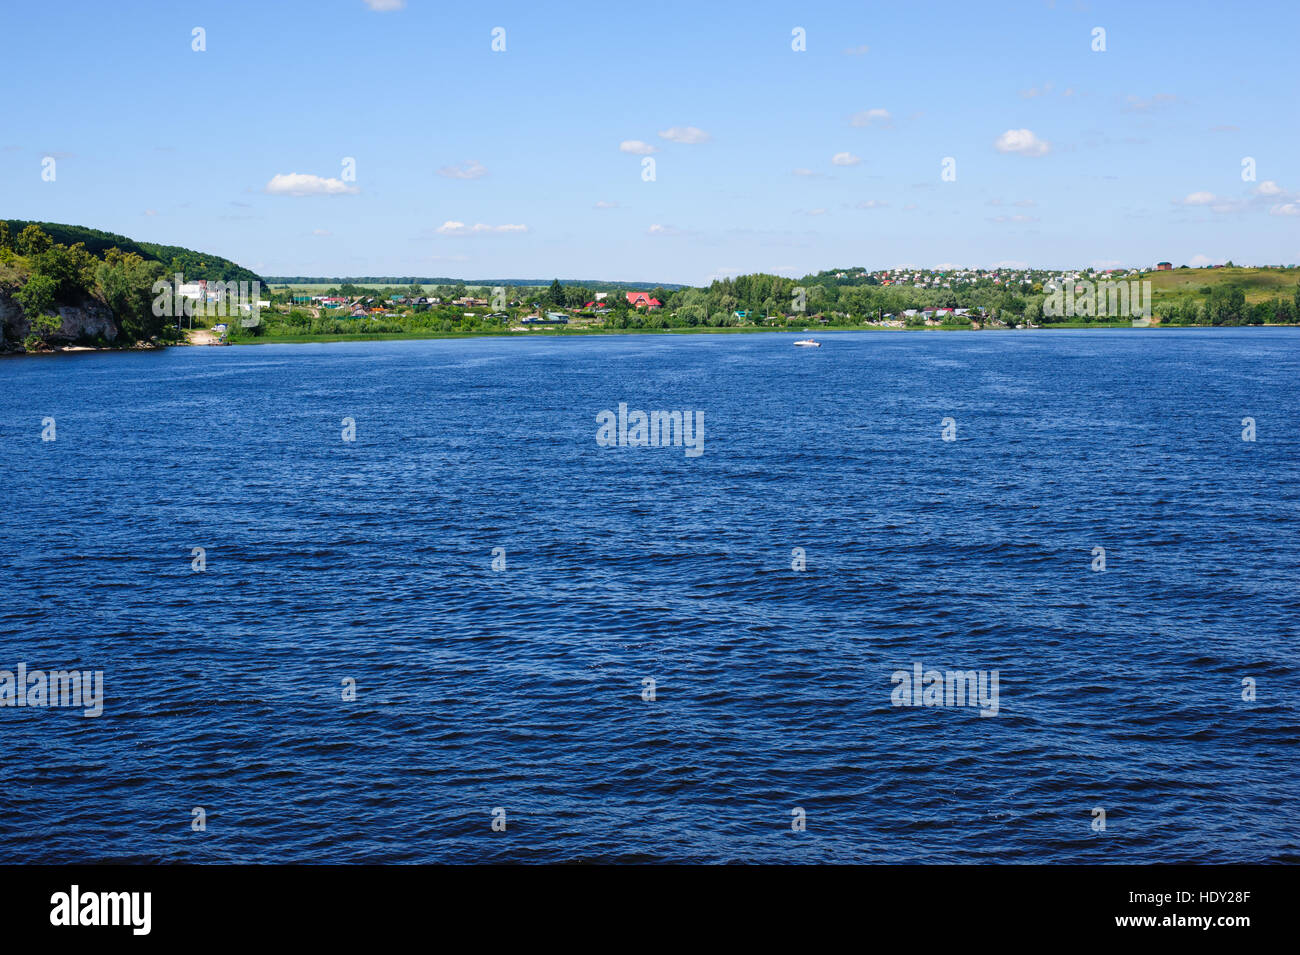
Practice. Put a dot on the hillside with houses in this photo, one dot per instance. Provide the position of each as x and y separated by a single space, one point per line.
97 295
898 298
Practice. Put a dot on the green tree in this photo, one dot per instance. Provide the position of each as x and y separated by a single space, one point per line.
125 283
693 315
40 330
32 241
556 294
37 296
72 268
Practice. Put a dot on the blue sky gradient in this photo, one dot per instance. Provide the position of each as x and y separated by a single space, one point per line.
1136 152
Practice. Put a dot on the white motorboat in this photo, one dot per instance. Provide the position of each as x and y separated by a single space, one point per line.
809 343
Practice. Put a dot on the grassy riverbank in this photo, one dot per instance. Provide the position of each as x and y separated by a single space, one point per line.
594 332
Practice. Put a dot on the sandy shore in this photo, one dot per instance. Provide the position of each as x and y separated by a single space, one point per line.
201 336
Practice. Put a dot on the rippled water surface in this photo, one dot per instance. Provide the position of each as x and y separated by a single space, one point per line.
522 689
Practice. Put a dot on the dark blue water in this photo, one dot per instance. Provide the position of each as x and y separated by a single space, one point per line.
521 689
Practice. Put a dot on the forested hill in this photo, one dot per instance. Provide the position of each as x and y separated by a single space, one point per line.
193 265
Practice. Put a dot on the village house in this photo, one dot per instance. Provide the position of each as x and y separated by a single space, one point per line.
642 300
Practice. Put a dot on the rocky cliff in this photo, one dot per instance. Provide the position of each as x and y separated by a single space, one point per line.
87 322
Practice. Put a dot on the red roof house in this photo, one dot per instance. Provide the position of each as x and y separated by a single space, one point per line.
639 299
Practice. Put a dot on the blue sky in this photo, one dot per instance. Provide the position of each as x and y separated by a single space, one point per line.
1132 155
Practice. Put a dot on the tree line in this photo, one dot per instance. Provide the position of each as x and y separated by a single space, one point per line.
41 274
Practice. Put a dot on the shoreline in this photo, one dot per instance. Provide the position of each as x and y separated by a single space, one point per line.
588 333
75 349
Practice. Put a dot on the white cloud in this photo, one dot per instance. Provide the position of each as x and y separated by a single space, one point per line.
658 229
846 159
461 229
321 232
1197 261
691 135
1265 191
383 6
1045 90
871 117
469 169
151 212
872 204
1021 141
305 184
1010 264
637 148
1286 209
605 204
1139 105
806 173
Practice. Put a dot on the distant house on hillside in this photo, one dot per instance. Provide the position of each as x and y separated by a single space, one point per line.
642 300
1164 266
